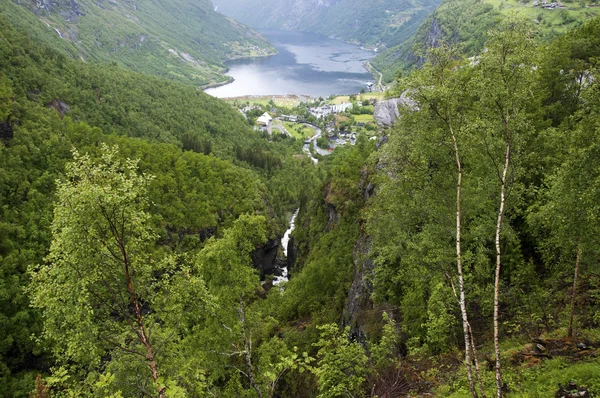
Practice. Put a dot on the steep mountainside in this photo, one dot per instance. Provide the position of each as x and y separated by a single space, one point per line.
466 23
210 167
377 24
184 40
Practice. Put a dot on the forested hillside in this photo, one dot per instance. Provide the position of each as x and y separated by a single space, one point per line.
208 166
184 40
376 24
456 255
465 23
475 217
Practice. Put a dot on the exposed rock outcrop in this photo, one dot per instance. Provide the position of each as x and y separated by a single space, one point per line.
292 254
359 295
61 107
70 10
435 35
386 112
359 309
266 260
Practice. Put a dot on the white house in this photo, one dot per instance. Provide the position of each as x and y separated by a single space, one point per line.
264 120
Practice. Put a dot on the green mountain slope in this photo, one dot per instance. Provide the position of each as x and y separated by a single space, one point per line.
184 40
466 22
377 24
210 167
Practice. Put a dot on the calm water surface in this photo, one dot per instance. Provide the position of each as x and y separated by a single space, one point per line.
306 65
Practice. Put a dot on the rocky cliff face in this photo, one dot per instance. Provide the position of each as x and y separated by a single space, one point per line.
434 35
360 313
359 295
387 112
292 254
6 130
266 260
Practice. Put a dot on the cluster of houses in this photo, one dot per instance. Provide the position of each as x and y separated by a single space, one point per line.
290 118
249 108
548 6
341 138
325 110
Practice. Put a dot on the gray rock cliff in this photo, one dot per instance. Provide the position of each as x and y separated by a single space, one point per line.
386 112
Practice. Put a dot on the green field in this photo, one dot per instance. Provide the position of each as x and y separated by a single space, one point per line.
360 97
299 131
283 101
363 118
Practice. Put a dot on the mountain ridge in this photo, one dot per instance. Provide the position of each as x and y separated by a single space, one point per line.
186 40
377 24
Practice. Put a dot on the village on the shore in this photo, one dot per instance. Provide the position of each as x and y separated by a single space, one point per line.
320 124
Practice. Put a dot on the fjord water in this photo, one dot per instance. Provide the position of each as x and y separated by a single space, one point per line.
306 64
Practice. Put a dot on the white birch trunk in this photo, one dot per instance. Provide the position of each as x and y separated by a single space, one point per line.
461 284
499 264
574 292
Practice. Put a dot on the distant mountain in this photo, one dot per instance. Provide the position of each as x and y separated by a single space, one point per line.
466 23
376 24
184 40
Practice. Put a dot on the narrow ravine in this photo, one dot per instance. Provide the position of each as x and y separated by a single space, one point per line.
284 244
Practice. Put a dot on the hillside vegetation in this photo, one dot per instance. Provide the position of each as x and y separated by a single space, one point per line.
184 40
455 255
209 167
466 24
472 219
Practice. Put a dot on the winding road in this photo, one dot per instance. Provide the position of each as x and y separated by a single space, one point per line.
372 69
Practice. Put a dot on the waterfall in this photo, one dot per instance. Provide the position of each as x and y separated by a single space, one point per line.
284 244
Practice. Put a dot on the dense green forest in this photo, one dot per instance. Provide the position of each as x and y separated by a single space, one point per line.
455 256
208 166
185 41
473 221
466 23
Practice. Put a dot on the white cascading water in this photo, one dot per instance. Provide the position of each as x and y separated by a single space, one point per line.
284 244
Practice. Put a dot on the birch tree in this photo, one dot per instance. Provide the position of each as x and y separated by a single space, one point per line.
441 91
507 69
102 292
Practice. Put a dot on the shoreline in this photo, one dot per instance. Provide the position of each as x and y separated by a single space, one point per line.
229 78
217 84
274 97
252 57
378 79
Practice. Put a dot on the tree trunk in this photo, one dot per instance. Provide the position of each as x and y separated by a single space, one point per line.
248 351
473 349
477 369
574 292
461 284
499 263
141 332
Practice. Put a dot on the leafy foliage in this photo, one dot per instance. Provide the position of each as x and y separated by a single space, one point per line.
342 365
48 103
467 23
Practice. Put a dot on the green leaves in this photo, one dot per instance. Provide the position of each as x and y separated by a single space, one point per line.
104 286
6 98
342 366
